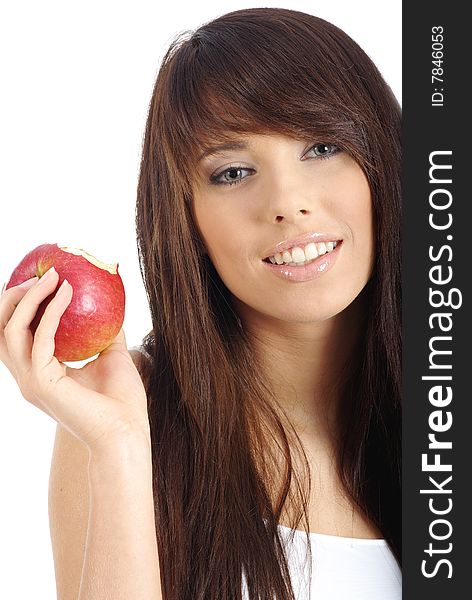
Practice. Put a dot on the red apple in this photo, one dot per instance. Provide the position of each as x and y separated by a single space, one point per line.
96 312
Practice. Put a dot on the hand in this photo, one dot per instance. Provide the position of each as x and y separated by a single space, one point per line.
100 403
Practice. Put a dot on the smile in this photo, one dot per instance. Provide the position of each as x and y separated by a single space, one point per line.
299 266
302 255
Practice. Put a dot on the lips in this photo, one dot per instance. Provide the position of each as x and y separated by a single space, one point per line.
300 240
305 272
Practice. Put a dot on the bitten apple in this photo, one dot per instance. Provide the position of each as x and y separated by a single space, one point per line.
96 312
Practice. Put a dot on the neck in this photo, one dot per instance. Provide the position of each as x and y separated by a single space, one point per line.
305 365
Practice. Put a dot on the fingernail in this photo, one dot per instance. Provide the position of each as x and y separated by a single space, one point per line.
46 275
28 283
62 287
3 288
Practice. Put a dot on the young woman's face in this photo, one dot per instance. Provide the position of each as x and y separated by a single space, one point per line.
286 188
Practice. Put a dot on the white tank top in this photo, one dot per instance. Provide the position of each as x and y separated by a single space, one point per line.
342 568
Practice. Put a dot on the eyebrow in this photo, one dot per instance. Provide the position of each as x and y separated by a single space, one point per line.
222 147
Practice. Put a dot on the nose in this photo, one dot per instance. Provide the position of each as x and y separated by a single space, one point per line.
291 216
286 203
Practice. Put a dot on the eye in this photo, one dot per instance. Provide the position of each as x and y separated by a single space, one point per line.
233 176
324 150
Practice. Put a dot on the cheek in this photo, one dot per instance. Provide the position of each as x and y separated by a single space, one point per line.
353 201
357 209
363 231
220 230
362 223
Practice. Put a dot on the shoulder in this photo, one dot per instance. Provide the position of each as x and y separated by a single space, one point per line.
143 363
136 355
140 357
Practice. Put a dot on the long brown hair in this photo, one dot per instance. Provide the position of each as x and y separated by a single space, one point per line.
213 422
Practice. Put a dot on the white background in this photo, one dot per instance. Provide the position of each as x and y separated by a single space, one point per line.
76 82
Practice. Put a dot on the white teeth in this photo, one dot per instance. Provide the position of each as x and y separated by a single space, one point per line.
287 257
310 251
300 255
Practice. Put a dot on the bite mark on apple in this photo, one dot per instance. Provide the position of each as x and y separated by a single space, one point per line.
111 268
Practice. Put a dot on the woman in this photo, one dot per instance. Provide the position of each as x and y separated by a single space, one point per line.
268 395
